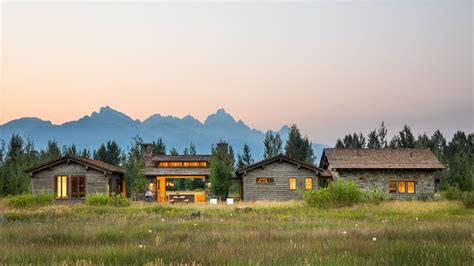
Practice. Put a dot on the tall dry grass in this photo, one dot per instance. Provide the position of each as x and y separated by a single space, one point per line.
283 233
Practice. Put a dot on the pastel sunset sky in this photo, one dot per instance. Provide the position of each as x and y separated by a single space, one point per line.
330 67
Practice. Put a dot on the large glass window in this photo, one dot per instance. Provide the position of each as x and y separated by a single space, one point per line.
308 183
78 187
392 187
411 187
61 186
292 184
401 187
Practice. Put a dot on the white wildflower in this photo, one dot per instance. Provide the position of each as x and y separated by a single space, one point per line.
140 246
162 220
149 231
344 232
374 239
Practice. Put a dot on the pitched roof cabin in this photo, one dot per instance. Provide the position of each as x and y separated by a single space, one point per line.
73 178
176 178
278 178
403 173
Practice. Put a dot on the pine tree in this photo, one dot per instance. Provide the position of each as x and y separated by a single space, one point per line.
438 144
373 140
192 149
159 147
14 161
277 146
86 154
2 167
135 169
186 151
298 147
52 151
267 145
109 153
220 171
246 157
174 151
272 145
406 138
348 142
382 134
339 144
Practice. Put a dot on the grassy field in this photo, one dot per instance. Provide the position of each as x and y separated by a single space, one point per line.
393 233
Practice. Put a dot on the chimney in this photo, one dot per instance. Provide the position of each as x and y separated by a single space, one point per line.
223 145
147 149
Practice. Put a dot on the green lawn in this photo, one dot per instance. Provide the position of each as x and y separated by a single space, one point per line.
394 233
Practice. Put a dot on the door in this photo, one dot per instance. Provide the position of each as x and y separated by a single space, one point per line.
78 187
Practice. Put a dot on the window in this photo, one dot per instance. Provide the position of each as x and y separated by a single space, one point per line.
308 183
411 187
182 164
265 180
392 187
151 186
61 186
78 187
292 183
401 187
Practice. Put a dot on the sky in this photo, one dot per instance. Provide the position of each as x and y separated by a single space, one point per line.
330 67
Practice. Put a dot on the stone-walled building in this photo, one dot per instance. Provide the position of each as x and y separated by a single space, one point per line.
403 173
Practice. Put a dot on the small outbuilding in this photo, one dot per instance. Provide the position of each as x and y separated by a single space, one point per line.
403 173
73 178
278 178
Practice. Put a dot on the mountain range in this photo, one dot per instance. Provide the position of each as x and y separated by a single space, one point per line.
109 124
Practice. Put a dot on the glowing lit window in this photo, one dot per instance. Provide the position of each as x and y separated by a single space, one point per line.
182 164
410 187
292 183
392 187
265 180
401 187
61 187
151 186
308 183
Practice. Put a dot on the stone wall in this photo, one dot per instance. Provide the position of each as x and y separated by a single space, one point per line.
379 178
279 190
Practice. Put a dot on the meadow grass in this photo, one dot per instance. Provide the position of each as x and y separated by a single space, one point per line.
283 233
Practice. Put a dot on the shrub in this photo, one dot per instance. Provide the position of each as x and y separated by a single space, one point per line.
452 192
375 195
101 199
468 199
337 194
31 200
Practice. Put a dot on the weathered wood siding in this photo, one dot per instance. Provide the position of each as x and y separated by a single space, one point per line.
96 181
280 190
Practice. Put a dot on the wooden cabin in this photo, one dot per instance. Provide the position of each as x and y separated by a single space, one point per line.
278 178
73 178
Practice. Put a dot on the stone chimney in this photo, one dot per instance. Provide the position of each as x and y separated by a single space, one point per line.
147 149
223 145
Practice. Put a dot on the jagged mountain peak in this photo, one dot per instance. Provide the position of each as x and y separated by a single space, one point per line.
220 117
